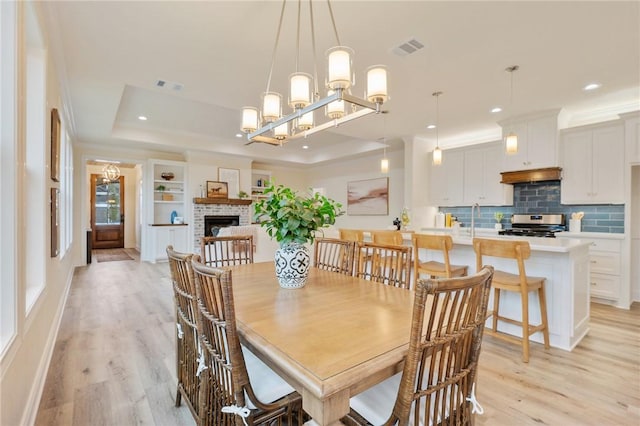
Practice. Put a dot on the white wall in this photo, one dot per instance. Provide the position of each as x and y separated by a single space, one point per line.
635 233
333 177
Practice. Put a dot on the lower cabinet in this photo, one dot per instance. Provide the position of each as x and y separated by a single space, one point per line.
163 236
605 267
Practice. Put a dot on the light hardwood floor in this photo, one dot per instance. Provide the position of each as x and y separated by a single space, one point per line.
113 362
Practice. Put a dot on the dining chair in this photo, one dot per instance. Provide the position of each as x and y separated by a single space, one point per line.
226 250
441 244
384 263
235 382
519 283
184 295
335 255
356 235
437 383
387 237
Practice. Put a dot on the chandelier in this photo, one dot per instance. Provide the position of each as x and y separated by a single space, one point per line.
511 141
111 172
270 126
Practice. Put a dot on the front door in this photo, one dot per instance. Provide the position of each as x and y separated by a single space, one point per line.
107 212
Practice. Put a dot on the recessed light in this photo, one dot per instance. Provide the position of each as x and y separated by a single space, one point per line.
305 146
142 117
591 86
238 135
496 109
431 126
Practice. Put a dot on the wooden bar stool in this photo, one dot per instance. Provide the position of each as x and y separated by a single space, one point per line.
387 237
434 268
519 283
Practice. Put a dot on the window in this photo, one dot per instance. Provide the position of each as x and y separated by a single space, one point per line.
8 191
66 191
36 198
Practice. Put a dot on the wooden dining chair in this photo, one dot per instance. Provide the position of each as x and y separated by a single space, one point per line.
436 385
387 237
519 283
184 296
234 381
226 250
441 244
384 263
356 235
334 255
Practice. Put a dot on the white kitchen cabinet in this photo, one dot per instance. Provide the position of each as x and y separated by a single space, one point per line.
592 160
605 265
163 236
482 167
632 136
446 180
537 141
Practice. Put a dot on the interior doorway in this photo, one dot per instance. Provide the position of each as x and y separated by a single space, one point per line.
107 212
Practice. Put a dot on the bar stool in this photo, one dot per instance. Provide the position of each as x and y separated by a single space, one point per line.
433 268
387 237
519 283
356 235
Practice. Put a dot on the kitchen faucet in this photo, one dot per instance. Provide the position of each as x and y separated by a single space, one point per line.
473 221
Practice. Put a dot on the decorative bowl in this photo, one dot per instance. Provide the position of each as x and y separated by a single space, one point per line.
167 175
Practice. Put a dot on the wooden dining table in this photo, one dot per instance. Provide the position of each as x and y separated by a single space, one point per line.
331 339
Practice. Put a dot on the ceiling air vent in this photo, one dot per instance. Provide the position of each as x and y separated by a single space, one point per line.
408 47
173 85
160 83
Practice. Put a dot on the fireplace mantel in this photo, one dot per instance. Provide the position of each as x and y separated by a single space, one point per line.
230 201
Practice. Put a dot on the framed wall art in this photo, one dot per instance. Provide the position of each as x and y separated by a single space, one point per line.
217 189
55 145
232 177
55 221
368 197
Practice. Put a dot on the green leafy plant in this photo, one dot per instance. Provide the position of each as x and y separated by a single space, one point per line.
160 188
498 216
289 217
242 195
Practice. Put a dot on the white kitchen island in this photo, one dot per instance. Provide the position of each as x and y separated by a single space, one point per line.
565 265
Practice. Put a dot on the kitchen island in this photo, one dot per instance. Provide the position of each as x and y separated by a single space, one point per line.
565 265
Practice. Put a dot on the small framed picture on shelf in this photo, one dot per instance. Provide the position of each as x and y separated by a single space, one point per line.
217 189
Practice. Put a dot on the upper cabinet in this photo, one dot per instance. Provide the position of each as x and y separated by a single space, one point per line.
632 136
445 183
469 175
537 141
482 167
592 160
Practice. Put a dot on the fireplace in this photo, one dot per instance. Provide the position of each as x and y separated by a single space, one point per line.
212 224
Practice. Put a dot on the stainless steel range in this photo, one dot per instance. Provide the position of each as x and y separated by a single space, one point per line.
536 225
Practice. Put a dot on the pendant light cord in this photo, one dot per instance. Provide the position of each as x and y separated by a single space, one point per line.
333 22
298 39
275 46
316 91
437 95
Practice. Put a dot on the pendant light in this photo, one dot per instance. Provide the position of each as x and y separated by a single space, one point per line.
384 163
437 152
511 141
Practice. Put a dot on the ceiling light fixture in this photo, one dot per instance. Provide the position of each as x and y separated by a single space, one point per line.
142 118
496 109
512 139
271 127
431 126
591 86
437 152
111 172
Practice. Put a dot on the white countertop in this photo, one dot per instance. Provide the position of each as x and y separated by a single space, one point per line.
557 245
602 235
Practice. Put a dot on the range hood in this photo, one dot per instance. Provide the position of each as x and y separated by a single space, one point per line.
533 175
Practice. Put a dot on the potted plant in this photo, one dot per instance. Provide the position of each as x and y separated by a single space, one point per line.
293 221
498 216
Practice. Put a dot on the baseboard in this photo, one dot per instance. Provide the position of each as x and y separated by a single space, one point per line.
33 402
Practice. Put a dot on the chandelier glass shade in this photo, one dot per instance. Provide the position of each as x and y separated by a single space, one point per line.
269 125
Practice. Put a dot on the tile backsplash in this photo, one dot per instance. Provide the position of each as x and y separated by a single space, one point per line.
544 197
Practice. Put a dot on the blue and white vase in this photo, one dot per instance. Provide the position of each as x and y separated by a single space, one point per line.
292 265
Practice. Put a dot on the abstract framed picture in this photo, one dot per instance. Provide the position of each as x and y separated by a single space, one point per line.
217 189
232 177
55 145
368 197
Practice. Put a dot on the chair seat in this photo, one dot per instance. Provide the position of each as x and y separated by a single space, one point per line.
435 268
508 281
267 385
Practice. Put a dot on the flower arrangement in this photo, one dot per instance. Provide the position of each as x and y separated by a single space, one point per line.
291 218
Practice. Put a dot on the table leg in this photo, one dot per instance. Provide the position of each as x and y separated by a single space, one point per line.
328 411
